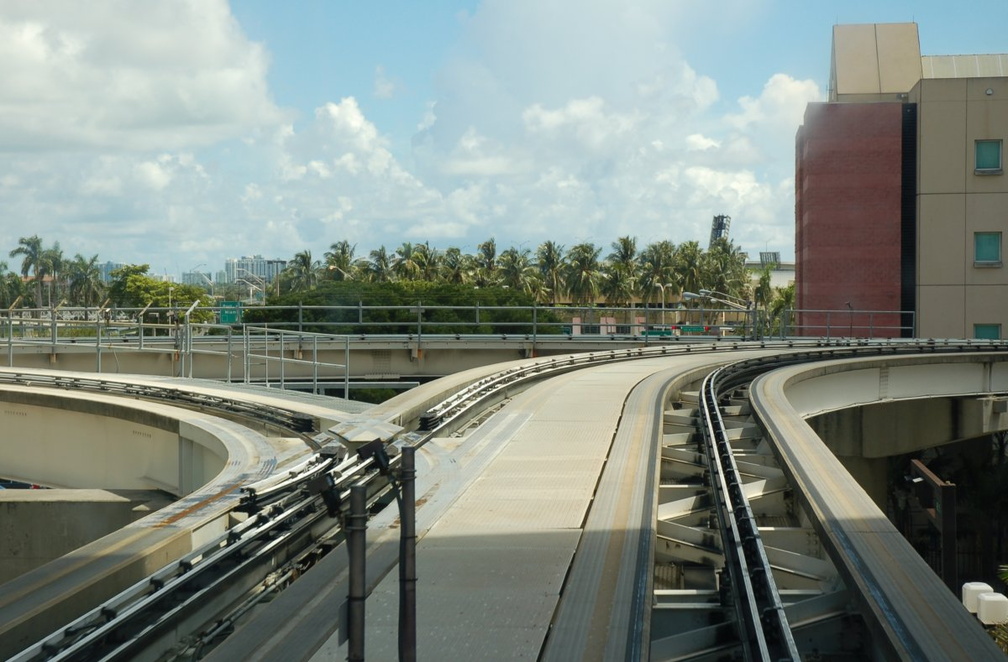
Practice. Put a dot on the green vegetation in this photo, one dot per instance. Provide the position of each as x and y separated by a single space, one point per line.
582 275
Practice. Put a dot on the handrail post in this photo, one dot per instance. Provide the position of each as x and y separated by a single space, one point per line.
314 359
246 357
535 326
283 383
356 533
407 558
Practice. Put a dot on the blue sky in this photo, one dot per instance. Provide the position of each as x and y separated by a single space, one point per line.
182 133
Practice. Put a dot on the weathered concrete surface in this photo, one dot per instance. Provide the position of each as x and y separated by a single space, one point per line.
37 526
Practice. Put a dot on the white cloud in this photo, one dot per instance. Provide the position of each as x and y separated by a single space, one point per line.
782 103
127 76
146 132
696 142
384 87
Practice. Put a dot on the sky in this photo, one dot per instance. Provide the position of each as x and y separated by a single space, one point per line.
180 133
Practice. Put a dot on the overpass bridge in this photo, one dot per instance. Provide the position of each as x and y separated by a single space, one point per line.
330 348
579 517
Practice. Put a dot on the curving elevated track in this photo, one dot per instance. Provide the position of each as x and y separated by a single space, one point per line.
541 524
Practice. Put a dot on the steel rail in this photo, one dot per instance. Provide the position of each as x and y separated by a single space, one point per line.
759 613
279 416
119 627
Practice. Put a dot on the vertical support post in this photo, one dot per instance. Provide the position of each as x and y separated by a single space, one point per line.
229 333
282 375
98 346
189 345
314 357
407 557
419 323
346 367
535 326
356 547
10 341
246 359
946 503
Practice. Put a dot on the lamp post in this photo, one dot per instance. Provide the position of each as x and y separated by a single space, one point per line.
728 300
260 282
662 286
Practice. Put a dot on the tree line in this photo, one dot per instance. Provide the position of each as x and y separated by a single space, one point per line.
551 274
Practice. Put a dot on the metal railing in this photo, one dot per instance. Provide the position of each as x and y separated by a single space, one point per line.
285 337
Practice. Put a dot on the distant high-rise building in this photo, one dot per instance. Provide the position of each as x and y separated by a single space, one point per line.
107 268
257 266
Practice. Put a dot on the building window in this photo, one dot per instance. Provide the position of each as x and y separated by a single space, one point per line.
987 331
988 157
987 249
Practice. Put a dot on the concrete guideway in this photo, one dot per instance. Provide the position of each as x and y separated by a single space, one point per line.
533 526
907 606
473 470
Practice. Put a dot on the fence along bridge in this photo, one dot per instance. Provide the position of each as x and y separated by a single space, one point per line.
378 345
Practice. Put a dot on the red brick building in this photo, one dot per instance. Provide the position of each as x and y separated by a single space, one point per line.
848 209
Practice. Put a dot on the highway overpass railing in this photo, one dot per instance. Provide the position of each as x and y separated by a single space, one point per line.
423 318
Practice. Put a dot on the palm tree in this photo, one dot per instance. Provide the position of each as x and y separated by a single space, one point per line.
724 269
11 286
428 262
457 267
52 264
379 266
582 273
656 270
84 281
689 267
551 264
516 270
302 271
619 280
486 263
339 260
404 266
30 248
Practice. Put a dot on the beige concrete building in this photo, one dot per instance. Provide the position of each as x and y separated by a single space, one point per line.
904 162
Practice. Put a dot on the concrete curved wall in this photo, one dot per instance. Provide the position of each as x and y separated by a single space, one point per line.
75 440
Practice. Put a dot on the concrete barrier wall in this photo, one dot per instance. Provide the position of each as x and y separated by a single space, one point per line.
37 526
79 441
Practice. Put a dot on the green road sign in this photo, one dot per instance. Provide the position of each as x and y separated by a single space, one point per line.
230 312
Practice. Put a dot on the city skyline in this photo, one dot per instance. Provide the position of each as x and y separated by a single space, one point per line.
180 134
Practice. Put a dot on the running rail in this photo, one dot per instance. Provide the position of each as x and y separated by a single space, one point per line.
761 622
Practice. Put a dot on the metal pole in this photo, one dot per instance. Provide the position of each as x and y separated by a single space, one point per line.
356 545
535 326
229 330
98 345
314 357
10 340
407 557
282 375
346 367
246 359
